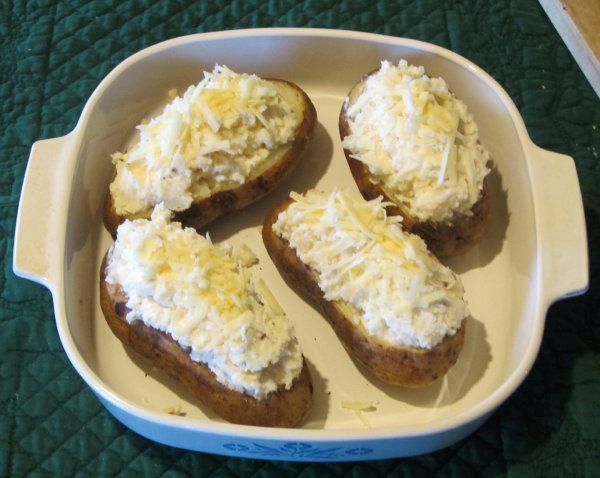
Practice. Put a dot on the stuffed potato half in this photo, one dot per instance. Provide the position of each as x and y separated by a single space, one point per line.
408 139
405 364
239 358
216 148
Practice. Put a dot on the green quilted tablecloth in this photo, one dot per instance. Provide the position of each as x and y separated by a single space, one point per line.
52 57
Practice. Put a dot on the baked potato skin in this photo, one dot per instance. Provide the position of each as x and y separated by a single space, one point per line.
443 239
281 408
204 211
410 367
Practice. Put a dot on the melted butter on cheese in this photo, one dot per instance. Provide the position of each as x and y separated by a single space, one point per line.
404 295
419 141
201 293
211 138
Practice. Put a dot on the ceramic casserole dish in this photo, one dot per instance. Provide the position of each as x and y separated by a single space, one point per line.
535 251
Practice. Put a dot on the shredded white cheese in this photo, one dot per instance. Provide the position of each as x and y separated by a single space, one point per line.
358 407
211 138
201 293
419 142
403 294
176 410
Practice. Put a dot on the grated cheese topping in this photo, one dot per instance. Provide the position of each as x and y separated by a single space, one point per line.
179 282
403 294
418 141
211 138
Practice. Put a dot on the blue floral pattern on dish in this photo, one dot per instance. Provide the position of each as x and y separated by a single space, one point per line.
297 450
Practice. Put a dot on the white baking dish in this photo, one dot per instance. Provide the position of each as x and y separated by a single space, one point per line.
534 254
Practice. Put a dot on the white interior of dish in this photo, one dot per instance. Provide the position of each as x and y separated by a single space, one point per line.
499 275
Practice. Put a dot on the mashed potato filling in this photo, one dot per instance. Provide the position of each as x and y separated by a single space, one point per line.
404 295
419 142
179 282
211 138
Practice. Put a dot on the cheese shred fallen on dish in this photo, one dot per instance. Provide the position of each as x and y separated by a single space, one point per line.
358 407
176 410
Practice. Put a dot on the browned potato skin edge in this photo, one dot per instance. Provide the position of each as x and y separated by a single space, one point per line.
443 239
410 367
207 210
281 408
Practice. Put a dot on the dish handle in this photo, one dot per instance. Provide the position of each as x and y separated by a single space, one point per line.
39 222
562 236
